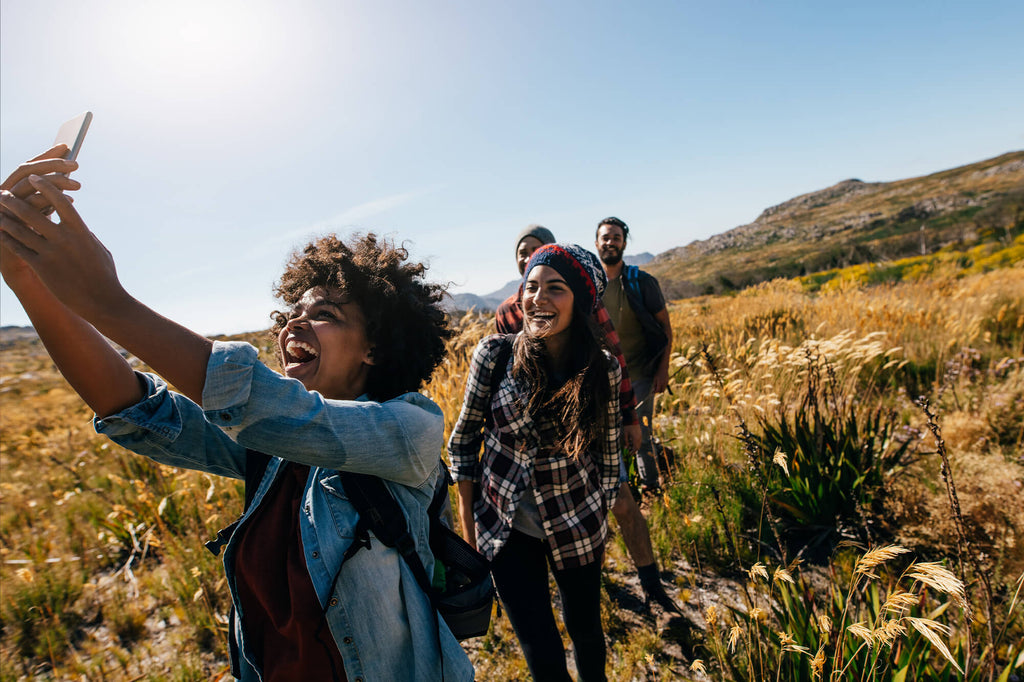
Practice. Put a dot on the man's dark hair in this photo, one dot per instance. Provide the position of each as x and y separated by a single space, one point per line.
404 321
612 220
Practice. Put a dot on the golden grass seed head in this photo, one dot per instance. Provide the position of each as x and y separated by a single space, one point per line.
758 570
889 631
698 667
860 629
939 578
734 636
711 615
900 601
780 459
818 662
878 556
931 630
782 575
824 624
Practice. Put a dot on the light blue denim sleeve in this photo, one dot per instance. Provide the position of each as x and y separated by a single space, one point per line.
171 429
399 440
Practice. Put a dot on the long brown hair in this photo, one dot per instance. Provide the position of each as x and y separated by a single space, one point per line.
580 405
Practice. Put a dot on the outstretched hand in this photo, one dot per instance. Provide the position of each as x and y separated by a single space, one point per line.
66 256
50 163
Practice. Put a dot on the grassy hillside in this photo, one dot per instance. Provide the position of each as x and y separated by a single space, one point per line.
856 222
792 443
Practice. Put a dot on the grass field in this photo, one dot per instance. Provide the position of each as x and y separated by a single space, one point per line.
843 499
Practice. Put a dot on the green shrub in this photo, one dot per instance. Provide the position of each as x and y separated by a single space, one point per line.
839 456
38 611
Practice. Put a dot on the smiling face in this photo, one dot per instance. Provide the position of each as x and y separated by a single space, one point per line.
547 303
324 345
527 245
610 243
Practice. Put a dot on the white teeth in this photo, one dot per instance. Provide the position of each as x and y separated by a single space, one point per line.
295 347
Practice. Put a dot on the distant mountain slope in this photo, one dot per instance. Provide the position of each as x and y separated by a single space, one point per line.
11 336
472 302
848 223
854 222
639 259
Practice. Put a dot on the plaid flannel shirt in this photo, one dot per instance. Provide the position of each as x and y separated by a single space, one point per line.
508 319
573 496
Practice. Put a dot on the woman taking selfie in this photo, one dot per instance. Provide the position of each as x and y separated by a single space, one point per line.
544 403
361 332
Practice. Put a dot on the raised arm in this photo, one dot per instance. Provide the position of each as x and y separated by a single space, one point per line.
93 368
79 273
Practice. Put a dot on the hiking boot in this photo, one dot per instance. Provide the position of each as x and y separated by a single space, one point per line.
654 593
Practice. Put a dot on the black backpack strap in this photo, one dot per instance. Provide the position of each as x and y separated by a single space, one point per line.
255 467
501 363
440 493
379 511
499 370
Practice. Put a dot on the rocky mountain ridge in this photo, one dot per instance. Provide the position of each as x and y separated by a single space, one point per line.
849 222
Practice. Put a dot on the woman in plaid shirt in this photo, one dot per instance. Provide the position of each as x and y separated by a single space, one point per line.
540 493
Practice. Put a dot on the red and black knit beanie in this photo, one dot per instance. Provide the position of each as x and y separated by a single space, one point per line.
580 268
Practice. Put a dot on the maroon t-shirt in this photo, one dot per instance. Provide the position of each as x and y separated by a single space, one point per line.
282 618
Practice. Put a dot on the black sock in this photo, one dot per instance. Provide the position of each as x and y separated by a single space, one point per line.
649 578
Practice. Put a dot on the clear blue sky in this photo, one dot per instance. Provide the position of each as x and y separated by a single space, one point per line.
228 132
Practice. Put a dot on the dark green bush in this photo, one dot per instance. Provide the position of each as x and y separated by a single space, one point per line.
840 455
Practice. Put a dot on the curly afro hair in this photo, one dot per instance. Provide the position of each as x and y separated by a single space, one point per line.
404 320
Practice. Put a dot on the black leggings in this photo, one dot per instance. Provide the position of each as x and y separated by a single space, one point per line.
520 573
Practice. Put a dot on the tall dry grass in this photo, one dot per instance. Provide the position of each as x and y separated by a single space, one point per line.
104 575
750 364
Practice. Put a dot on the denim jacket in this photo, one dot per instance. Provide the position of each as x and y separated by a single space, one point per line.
381 621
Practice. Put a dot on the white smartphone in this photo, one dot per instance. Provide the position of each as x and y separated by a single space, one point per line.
72 133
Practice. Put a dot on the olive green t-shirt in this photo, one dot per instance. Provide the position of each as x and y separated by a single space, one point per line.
631 335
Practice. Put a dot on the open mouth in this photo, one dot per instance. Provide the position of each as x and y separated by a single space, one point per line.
541 319
299 352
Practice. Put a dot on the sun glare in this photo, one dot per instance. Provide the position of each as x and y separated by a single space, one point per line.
189 49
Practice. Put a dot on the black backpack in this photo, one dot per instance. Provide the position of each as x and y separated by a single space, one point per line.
462 590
